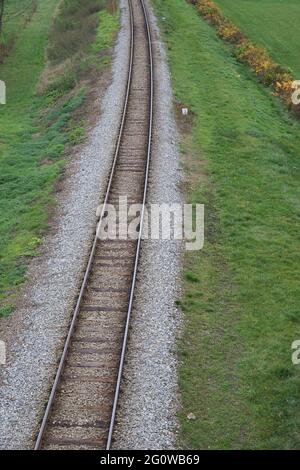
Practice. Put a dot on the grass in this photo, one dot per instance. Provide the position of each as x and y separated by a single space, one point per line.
271 23
241 300
16 16
36 130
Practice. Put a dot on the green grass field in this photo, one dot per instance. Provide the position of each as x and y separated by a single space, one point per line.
35 130
271 23
242 296
22 180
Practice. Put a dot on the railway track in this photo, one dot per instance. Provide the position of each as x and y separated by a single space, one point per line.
81 410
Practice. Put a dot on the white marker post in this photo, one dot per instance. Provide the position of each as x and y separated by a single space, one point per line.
2 353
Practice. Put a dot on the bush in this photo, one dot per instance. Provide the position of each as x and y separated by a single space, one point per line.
73 52
230 33
73 29
270 73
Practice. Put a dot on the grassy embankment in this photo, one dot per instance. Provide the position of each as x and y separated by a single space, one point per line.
271 23
242 294
38 124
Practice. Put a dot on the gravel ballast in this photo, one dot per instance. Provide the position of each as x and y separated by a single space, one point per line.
147 409
35 332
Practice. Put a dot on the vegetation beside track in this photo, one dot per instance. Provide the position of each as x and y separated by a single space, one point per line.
272 74
241 300
40 121
272 23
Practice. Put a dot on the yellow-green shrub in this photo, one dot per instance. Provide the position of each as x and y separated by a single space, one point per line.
257 58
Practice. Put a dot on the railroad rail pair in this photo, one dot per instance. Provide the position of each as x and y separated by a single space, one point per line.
82 406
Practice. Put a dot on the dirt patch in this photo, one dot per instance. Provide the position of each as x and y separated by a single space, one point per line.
112 6
6 48
194 168
184 117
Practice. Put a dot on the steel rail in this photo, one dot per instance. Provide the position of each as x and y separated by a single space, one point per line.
138 248
50 402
